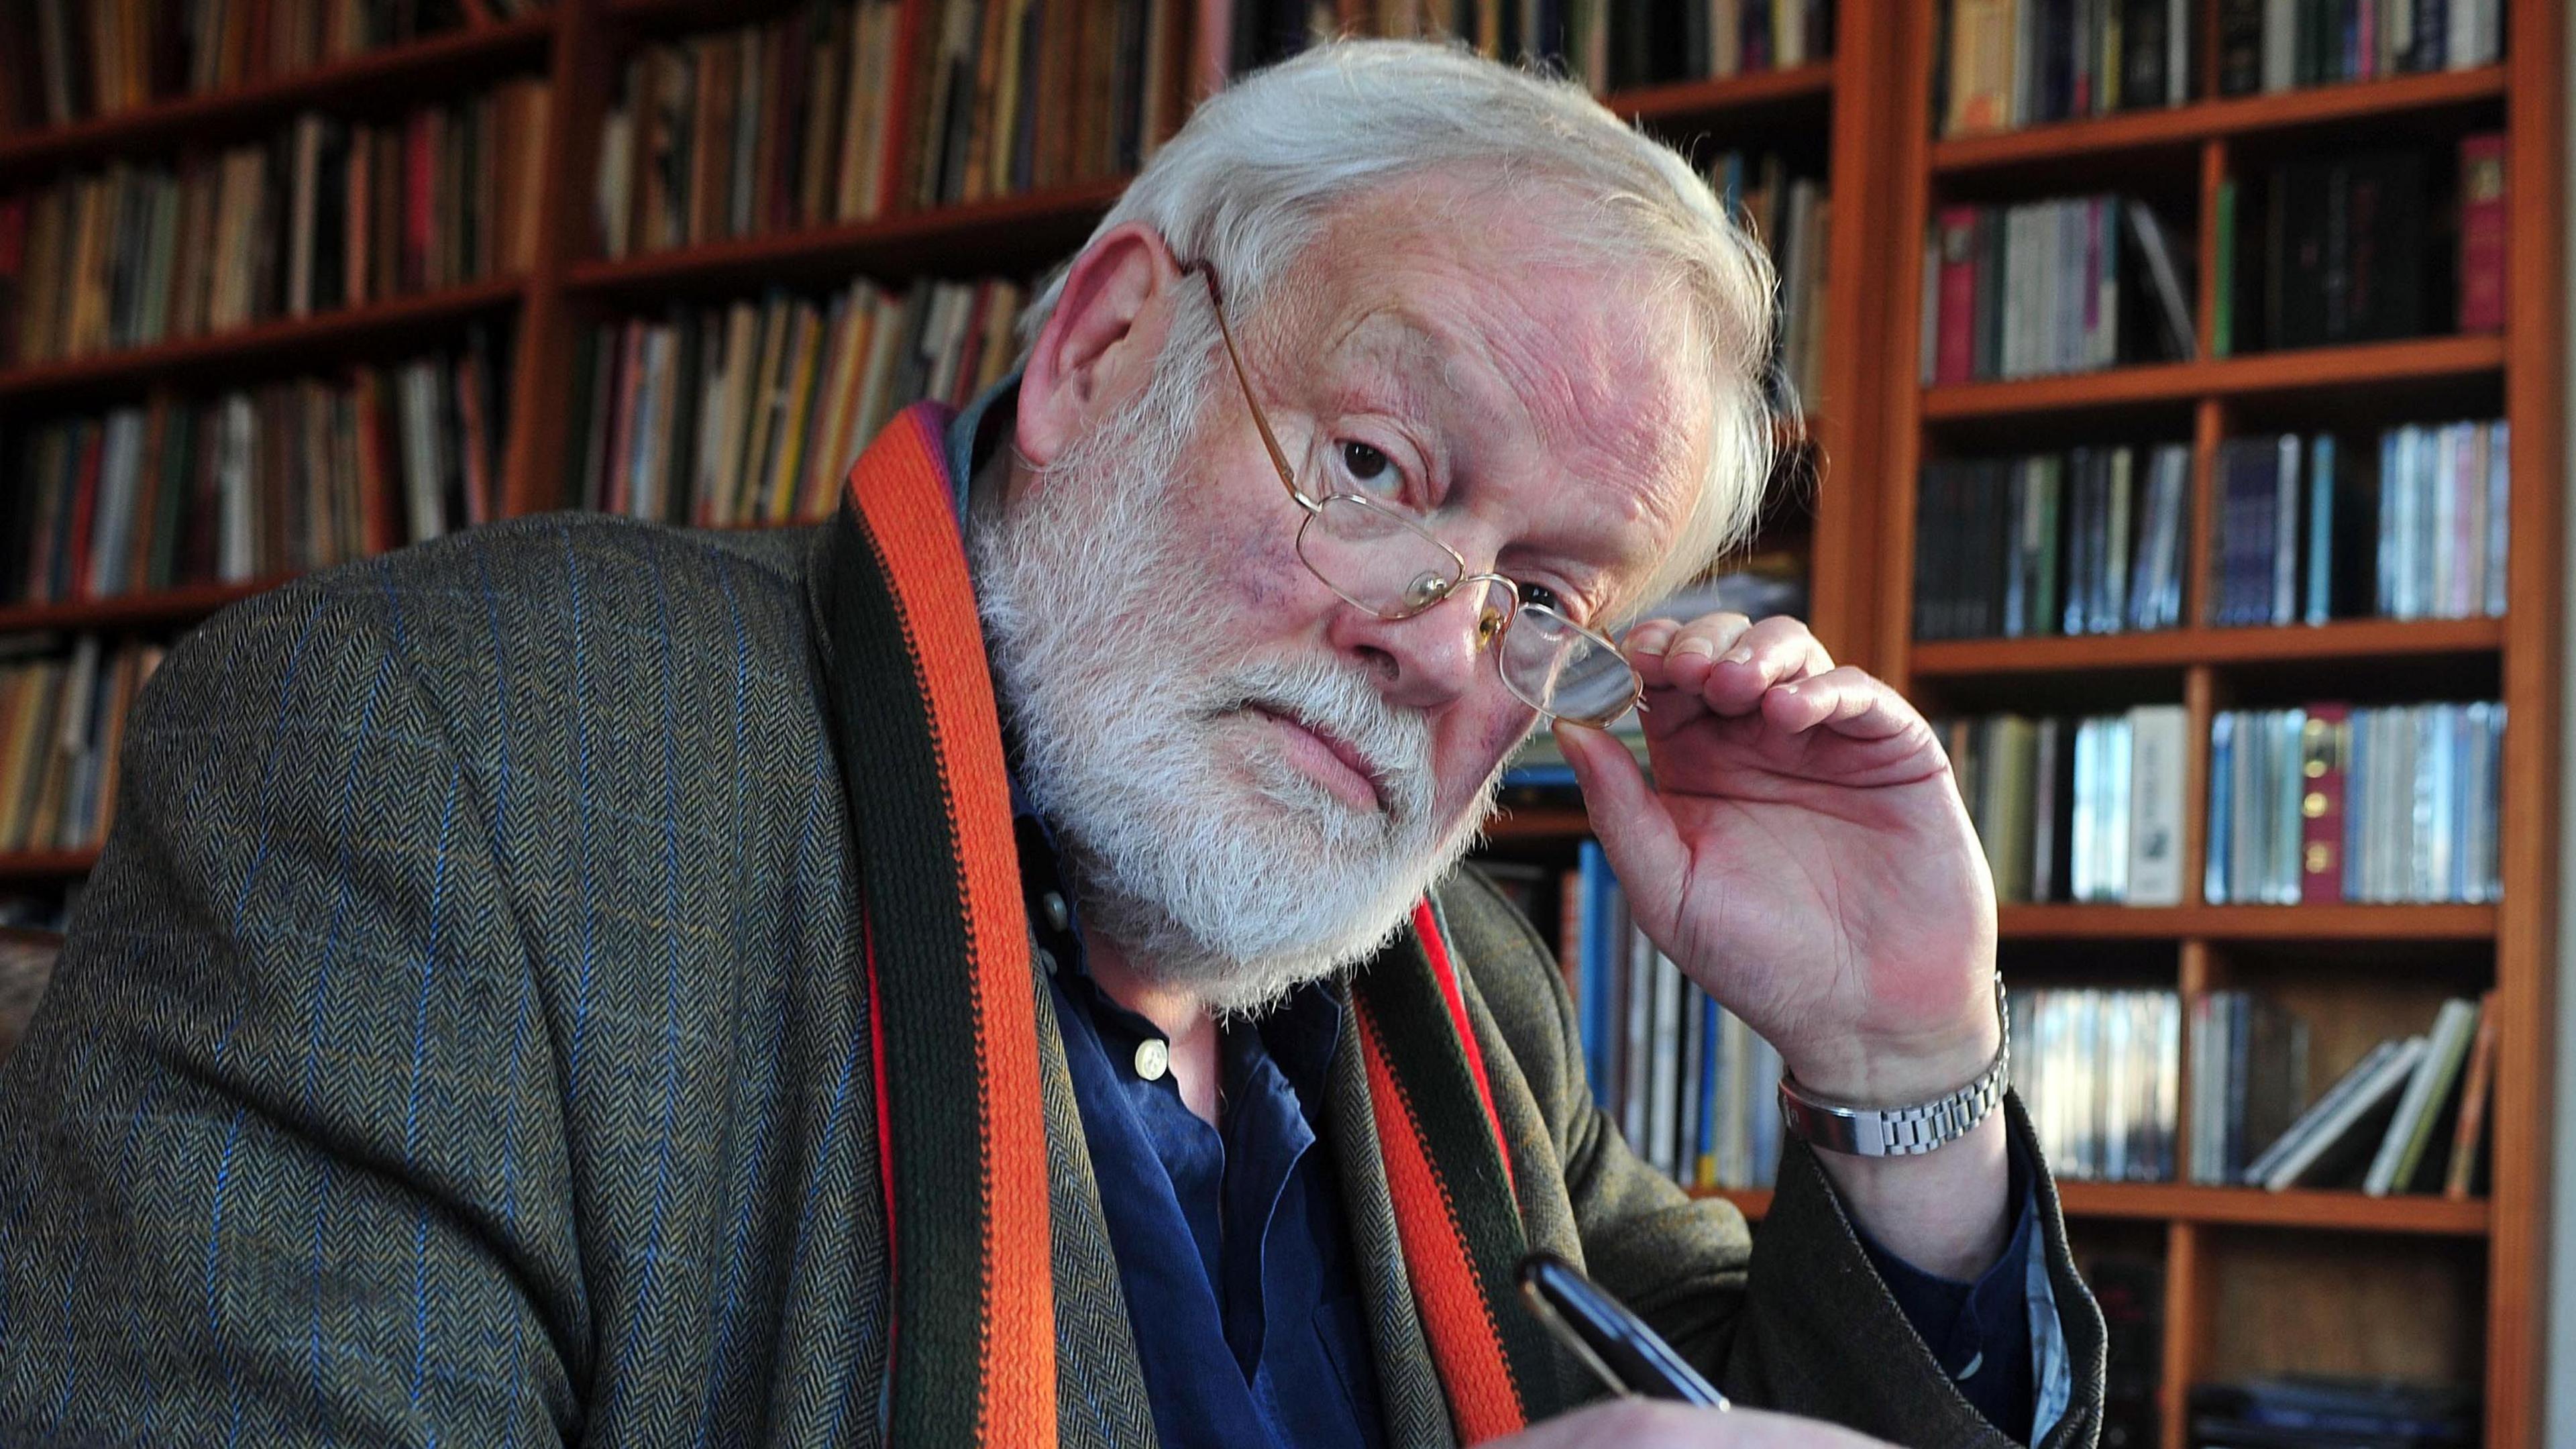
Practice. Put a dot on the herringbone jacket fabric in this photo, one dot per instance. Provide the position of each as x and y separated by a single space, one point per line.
458 1045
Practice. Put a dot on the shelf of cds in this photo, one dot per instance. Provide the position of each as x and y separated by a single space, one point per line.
2215 511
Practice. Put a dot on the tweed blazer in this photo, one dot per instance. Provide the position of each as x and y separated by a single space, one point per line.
458 1044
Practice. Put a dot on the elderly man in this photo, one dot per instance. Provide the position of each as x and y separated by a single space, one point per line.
990 970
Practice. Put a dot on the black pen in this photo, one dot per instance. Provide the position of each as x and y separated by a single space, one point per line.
1613 1342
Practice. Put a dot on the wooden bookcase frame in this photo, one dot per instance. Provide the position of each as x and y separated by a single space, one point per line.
1885 165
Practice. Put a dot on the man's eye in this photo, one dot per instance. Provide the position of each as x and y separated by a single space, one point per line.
1543 596
1370 468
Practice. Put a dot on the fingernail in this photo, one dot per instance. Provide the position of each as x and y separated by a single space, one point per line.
1699 647
1741 654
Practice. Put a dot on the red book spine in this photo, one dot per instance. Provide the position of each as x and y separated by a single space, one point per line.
84 515
420 202
1956 357
380 534
2324 746
2482 233
2473 1105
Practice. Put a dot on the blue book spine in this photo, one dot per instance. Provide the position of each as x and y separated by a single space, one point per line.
1594 970
2321 489
2222 755
1705 1150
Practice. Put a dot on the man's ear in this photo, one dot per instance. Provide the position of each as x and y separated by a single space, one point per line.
1098 347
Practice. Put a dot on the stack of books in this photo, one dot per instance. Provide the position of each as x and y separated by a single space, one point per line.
2101 1074
1010 96
63 61
766 128
2012 63
2249 1071
1617 45
281 478
2330 803
2076 809
2381 1126
2363 247
753 412
2268 45
1689 1085
1793 219
2415 529
2090 541
61 723
326 215
2049 287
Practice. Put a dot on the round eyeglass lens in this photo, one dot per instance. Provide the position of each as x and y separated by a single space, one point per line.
1376 557
1553 665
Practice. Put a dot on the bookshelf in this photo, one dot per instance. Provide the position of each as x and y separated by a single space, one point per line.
2410 1284
1859 117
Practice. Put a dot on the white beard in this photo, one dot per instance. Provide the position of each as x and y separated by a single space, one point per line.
1196 844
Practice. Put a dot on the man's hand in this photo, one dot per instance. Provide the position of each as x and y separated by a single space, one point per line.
1803 855
1651 1424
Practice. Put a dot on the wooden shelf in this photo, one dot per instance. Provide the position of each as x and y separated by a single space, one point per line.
266 346
2340 1211
137 610
2354 639
2247 923
2188 125
419 68
2245 1206
1005 234
1733 97
27 866
1538 823
2308 370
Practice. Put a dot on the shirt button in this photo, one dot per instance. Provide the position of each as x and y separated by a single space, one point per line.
1153 1058
1057 915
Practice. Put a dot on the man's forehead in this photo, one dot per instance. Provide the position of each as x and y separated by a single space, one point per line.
1566 374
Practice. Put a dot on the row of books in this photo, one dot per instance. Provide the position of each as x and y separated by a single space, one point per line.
2380 1126
1687 1083
2006 64
288 477
2310 531
2044 287
61 722
2076 809
2363 247
1009 96
2100 1073
1793 219
2088 541
63 61
753 412
2012 63
764 128
2277 45
2310 1411
324 216
2249 1074
2331 803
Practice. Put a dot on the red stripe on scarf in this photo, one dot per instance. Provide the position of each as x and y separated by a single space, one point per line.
1435 949
902 495
1466 1345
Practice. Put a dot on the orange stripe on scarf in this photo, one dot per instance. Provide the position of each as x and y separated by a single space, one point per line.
1465 1343
901 493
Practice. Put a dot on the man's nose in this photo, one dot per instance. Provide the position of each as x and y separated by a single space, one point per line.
1428 660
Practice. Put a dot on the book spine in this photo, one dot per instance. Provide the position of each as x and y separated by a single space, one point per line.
2323 745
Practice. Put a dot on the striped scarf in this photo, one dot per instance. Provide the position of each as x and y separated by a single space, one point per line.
949 966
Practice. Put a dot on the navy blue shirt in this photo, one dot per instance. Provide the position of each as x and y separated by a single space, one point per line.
1231 1246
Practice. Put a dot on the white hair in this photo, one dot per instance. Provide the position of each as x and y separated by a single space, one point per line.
1251 181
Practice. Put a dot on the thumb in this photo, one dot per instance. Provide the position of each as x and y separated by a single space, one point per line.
1635 828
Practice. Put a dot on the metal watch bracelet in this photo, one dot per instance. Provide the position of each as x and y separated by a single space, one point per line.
1901 1131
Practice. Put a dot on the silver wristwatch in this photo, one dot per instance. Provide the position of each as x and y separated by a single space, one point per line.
1900 1131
